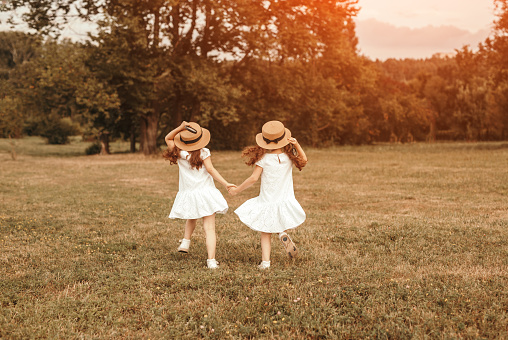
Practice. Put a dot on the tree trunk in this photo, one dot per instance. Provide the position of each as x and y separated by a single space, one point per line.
431 137
205 44
177 112
104 138
394 138
149 125
156 29
14 156
196 107
142 133
132 139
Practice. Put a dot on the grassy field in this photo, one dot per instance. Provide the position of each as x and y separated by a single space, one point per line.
400 241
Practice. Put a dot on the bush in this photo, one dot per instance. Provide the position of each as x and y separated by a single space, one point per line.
31 127
57 130
94 149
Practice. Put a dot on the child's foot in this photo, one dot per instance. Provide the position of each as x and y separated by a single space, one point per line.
212 263
184 246
288 245
264 265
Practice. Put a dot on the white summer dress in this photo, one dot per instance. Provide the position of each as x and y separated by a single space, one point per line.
197 195
276 208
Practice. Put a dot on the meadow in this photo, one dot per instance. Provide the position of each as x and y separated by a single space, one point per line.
400 242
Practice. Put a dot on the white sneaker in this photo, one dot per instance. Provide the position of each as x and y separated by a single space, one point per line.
264 265
212 264
184 246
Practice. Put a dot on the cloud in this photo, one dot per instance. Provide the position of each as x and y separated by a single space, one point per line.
380 40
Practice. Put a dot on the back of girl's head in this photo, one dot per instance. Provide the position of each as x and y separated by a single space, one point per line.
194 157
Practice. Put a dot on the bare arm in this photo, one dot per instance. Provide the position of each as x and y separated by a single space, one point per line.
171 135
253 178
301 153
215 174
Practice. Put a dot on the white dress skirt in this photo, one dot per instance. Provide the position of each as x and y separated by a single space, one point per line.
197 195
276 208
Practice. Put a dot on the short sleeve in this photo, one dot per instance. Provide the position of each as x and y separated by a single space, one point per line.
205 153
184 154
261 162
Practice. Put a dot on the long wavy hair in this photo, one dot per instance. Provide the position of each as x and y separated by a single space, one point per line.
172 156
252 154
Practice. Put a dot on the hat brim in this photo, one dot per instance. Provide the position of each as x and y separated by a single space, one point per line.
201 143
272 146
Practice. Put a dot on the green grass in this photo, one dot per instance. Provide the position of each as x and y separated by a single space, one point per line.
400 241
38 147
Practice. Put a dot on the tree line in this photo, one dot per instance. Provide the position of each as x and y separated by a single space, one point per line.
231 65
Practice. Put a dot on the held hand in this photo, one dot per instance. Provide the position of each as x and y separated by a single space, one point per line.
232 189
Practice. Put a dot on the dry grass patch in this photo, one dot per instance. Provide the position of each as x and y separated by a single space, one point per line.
400 241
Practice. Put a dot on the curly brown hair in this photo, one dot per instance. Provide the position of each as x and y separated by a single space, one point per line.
252 154
173 155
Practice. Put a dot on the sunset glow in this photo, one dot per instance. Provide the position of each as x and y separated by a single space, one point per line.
418 29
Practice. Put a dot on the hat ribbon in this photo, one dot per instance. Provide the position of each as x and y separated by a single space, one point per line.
276 140
192 140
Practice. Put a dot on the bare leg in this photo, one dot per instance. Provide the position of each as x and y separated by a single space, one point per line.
209 226
266 246
190 225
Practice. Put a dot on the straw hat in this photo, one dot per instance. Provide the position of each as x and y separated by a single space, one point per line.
273 135
194 137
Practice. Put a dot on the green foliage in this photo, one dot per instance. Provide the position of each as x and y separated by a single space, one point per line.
58 130
165 60
232 65
15 49
11 119
54 84
94 149
59 83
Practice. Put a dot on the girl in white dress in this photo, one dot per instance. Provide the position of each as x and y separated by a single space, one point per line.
197 195
276 209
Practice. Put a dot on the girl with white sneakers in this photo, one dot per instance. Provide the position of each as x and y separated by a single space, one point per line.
197 195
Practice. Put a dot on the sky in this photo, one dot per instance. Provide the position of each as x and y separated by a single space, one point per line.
420 28
400 28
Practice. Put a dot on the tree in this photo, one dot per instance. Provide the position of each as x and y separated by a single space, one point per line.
300 66
11 121
179 53
16 49
57 84
495 53
170 49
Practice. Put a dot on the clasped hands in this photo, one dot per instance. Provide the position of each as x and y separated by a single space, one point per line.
232 189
